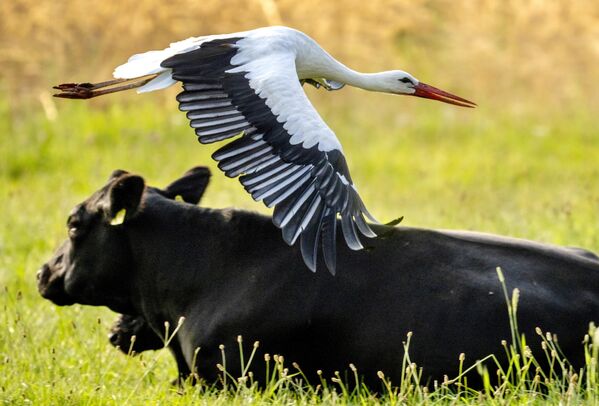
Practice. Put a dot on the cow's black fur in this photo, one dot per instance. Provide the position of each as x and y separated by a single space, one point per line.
229 273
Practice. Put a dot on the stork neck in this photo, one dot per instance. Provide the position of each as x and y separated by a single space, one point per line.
366 81
324 65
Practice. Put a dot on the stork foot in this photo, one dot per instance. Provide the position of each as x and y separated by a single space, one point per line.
88 90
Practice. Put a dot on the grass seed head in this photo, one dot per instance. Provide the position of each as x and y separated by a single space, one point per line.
515 299
500 275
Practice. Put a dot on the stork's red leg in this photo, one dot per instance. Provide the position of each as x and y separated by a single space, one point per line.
90 90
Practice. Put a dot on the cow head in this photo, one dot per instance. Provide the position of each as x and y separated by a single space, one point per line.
94 264
126 327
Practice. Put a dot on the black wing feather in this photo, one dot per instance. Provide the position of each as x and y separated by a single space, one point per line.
309 238
329 235
308 188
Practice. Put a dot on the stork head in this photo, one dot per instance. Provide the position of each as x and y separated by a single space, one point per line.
400 82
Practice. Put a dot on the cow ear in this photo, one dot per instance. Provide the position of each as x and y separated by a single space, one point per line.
124 198
116 173
190 186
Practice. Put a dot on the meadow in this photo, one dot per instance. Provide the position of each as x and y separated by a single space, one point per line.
525 163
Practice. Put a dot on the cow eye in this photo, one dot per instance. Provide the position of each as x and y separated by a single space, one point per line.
74 227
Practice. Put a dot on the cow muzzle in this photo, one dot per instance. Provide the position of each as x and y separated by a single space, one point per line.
120 335
128 326
50 285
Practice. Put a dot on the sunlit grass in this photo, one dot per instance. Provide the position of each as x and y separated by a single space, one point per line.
524 163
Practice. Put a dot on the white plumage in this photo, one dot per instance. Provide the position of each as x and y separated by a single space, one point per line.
248 86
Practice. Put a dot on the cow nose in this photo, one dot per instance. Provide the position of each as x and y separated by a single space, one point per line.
43 274
114 339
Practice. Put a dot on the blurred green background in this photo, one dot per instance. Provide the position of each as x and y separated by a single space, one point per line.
525 163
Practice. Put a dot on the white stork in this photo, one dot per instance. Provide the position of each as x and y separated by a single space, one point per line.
248 85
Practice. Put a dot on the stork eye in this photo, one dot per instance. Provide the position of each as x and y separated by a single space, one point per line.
406 80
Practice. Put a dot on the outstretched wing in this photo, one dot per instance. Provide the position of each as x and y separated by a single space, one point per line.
285 154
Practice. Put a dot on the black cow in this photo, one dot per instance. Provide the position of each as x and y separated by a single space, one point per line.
229 273
133 335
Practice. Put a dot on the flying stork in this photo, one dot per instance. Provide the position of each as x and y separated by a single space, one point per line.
248 86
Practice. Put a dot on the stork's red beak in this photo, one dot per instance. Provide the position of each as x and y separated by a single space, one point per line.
430 92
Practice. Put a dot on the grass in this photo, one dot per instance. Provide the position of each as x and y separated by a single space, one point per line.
438 166
523 164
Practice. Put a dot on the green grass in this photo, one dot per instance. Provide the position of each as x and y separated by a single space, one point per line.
518 173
